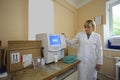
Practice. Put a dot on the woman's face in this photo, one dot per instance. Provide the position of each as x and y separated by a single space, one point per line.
88 29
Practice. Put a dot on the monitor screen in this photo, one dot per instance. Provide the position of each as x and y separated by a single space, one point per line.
54 40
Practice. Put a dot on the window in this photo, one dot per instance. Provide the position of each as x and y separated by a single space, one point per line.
114 20
112 26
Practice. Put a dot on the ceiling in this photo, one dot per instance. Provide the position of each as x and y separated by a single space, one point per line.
78 3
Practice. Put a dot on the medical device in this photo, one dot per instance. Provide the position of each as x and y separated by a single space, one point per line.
53 46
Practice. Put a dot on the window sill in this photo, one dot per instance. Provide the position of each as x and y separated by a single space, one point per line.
107 49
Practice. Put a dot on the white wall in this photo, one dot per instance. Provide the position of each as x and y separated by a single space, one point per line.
41 17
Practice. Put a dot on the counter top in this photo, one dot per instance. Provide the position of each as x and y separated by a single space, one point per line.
46 72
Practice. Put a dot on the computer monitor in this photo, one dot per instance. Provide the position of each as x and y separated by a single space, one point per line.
53 44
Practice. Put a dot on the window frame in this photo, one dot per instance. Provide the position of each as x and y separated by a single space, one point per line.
111 18
107 27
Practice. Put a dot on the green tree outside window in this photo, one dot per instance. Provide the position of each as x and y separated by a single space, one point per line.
116 19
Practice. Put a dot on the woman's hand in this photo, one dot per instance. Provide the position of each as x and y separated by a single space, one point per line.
98 67
63 34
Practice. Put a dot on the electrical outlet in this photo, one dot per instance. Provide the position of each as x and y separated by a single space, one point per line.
15 58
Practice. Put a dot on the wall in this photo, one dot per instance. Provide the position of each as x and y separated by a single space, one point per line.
41 17
14 24
90 11
65 20
13 20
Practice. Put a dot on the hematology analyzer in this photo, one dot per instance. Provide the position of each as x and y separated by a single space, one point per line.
53 45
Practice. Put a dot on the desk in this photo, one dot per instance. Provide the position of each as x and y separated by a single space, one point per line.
48 72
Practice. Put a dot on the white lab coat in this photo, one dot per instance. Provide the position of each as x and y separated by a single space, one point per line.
90 54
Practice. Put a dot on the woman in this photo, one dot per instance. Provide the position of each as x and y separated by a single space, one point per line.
89 51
